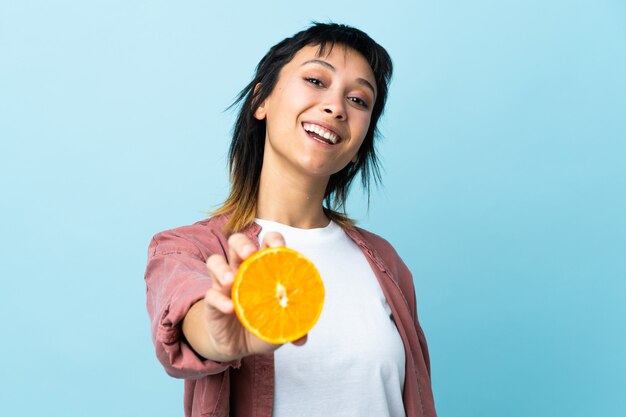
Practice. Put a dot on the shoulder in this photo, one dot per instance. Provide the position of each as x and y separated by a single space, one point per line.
380 245
382 251
198 239
388 259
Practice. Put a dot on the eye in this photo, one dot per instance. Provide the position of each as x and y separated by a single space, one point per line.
314 81
359 102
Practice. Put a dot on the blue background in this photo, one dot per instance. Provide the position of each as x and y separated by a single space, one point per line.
504 189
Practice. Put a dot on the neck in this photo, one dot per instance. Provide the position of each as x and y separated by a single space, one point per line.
291 199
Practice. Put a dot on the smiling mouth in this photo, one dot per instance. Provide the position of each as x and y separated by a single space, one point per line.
321 134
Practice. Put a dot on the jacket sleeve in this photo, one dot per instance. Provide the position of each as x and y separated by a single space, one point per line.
176 277
405 280
420 333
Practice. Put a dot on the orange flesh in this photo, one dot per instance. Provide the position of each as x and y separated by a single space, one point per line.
278 295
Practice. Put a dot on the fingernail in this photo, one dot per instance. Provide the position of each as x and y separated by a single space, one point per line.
228 277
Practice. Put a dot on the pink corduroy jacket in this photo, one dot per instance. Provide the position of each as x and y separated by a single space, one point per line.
176 277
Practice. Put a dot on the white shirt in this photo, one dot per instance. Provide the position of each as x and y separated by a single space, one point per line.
353 362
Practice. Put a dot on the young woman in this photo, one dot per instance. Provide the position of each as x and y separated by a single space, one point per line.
306 128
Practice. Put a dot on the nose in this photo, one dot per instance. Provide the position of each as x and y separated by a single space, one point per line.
334 105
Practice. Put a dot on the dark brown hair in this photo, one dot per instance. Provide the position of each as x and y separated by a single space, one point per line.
246 149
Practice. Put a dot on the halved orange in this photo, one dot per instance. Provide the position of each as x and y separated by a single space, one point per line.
278 294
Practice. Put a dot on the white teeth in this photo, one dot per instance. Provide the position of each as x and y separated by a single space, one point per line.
326 134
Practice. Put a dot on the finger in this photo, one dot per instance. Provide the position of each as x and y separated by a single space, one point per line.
220 302
300 341
272 239
239 248
221 273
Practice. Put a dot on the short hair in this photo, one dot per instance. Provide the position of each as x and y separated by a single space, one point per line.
245 155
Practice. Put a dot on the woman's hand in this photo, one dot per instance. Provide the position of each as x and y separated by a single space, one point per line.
211 326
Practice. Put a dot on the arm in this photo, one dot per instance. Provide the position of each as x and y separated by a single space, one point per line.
194 327
211 326
176 278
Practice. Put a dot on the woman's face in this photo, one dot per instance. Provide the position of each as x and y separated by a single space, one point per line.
319 111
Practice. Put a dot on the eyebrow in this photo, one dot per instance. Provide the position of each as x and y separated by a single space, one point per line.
328 65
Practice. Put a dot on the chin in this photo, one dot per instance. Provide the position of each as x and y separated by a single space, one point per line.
317 172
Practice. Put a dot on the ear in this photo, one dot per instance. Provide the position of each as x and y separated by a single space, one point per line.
353 160
260 112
